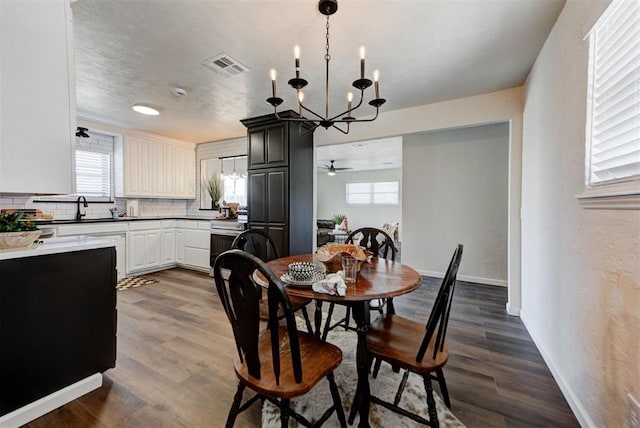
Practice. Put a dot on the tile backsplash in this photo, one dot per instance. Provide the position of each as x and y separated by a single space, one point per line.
67 210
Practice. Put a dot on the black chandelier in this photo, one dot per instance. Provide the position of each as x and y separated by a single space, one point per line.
327 8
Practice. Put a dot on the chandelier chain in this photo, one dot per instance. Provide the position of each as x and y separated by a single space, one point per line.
327 56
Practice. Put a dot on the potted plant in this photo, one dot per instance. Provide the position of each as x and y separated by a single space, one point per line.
15 232
338 219
215 190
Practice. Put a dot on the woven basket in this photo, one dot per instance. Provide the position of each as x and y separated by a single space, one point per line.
331 256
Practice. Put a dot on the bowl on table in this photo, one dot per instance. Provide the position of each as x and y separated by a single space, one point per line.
331 255
302 271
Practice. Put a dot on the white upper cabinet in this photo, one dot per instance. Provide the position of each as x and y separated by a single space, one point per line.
37 96
154 169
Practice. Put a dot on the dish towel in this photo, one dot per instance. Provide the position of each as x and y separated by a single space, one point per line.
332 284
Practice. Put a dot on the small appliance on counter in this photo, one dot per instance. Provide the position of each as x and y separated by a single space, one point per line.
133 208
243 214
229 210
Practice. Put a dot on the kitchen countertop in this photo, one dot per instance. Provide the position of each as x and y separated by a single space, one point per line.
120 219
55 246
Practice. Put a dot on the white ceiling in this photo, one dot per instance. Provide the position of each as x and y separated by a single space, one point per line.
136 51
383 153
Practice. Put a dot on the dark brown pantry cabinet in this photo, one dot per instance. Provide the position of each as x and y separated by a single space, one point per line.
280 182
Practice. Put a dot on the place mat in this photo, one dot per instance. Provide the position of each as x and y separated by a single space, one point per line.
134 282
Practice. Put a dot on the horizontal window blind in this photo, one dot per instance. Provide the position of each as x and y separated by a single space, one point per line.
382 193
614 95
93 173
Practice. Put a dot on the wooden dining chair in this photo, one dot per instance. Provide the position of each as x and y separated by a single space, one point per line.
279 363
403 342
381 245
261 245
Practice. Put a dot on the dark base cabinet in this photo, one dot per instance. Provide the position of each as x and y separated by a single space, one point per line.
280 182
219 244
57 322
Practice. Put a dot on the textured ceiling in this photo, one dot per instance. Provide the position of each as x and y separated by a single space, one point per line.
383 153
136 51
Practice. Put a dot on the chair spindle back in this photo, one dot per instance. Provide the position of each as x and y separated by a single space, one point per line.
439 317
258 243
370 241
240 296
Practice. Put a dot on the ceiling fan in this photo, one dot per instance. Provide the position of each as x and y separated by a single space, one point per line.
331 170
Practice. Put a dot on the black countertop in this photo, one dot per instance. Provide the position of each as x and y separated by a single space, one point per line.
120 219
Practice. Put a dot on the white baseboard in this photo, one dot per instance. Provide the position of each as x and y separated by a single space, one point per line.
512 310
468 278
34 410
572 399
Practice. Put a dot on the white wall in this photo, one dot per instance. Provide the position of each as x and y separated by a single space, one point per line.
580 267
455 191
332 199
496 107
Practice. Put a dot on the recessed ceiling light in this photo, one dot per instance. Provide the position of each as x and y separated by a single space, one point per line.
145 109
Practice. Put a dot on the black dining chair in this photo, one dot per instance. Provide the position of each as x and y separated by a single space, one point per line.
379 243
261 245
404 343
279 363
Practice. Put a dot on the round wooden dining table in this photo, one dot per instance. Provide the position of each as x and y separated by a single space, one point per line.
377 279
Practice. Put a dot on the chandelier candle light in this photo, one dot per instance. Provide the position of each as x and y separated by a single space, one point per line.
327 8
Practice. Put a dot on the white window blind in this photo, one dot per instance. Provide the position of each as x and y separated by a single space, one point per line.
613 123
382 193
93 173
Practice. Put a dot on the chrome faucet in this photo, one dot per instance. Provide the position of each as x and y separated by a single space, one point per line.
79 215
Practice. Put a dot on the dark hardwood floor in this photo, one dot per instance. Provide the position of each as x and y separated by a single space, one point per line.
175 347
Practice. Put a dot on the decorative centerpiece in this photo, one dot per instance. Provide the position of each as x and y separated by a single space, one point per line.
331 255
215 188
15 232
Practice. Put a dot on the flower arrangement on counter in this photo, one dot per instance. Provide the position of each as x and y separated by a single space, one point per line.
215 189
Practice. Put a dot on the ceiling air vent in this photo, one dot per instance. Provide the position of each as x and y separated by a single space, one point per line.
224 64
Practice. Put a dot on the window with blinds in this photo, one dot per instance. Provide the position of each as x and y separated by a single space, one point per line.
613 122
381 193
93 173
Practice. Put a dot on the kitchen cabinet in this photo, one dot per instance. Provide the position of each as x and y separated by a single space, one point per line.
267 147
195 244
280 182
179 246
144 251
114 232
220 244
57 327
147 168
168 242
37 83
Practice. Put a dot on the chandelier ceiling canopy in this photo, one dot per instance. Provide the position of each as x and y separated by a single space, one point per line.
312 120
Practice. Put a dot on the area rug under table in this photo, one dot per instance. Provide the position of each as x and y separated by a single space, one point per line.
313 404
134 282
